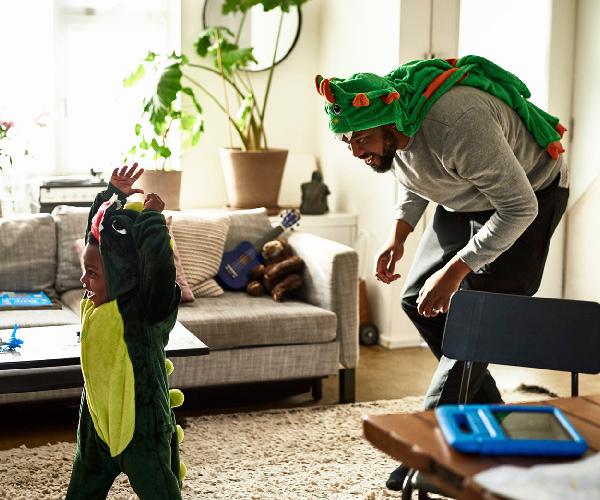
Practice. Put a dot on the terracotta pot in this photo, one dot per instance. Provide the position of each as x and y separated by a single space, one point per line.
253 178
165 183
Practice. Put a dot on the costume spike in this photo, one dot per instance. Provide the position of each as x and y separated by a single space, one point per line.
390 98
360 100
318 80
182 471
175 398
325 90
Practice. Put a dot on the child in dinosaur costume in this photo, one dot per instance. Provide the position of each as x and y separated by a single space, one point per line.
126 423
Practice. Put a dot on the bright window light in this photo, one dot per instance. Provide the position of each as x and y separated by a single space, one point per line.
69 61
26 79
100 46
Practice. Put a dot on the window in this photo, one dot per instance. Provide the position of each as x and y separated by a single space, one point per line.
70 61
26 79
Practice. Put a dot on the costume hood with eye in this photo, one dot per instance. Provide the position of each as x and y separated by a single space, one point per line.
113 227
126 404
404 96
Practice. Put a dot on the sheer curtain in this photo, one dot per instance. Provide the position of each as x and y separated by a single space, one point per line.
65 60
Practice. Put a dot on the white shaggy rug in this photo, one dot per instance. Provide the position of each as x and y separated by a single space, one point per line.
305 453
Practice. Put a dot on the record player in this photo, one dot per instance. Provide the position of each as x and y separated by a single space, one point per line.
76 191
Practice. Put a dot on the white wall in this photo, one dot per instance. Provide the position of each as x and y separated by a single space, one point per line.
290 116
560 92
582 278
358 36
541 55
586 99
422 32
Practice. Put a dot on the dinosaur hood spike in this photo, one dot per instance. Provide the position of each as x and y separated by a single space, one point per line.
360 100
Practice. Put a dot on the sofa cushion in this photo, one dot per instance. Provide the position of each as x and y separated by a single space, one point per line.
247 225
28 250
70 226
200 242
186 292
71 300
237 320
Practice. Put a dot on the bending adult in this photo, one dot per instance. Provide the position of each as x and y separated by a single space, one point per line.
462 134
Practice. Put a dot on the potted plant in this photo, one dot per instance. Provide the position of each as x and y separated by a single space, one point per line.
253 171
161 116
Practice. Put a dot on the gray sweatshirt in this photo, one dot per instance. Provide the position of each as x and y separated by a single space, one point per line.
474 153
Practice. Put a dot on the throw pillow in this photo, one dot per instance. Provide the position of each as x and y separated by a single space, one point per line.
79 248
70 226
200 242
27 253
247 225
186 291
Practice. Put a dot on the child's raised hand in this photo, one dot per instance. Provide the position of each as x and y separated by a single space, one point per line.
123 179
153 202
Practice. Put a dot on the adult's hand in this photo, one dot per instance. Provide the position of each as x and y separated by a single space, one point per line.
392 252
434 296
386 262
124 178
154 202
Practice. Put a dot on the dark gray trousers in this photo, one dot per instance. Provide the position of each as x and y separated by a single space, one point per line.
517 271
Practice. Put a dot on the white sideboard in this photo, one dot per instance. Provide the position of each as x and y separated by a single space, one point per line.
336 226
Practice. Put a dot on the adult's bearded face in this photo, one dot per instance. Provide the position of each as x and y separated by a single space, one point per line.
375 146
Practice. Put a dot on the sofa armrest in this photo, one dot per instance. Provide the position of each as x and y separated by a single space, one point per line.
331 282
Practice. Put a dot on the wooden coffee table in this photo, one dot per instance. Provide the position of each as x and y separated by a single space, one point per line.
416 440
58 346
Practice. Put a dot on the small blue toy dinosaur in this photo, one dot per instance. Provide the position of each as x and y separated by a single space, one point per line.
12 343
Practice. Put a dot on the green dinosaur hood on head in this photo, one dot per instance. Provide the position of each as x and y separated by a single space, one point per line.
405 95
113 227
363 101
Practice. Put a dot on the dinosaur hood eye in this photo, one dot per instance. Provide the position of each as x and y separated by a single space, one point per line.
336 108
118 227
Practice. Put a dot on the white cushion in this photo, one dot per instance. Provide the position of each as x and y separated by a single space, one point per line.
200 242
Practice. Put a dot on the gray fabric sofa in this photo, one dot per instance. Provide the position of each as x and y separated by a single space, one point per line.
252 339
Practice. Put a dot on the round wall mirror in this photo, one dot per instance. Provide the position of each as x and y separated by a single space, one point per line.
258 30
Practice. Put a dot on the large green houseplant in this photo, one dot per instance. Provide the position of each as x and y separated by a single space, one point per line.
176 101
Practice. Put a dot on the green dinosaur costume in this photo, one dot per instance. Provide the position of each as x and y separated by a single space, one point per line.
404 96
126 423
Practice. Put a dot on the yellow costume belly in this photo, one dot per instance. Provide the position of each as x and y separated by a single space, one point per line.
108 374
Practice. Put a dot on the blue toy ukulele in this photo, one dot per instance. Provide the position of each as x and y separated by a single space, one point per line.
234 273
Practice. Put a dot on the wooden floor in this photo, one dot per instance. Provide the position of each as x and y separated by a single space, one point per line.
382 374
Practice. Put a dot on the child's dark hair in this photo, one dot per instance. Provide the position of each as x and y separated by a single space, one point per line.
91 240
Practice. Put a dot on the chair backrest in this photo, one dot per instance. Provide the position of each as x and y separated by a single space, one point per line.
555 334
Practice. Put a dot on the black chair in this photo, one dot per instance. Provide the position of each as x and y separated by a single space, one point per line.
555 334
532 332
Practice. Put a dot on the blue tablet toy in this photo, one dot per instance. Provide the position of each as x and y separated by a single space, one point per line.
509 430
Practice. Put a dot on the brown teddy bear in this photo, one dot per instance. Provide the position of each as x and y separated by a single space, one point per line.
280 274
